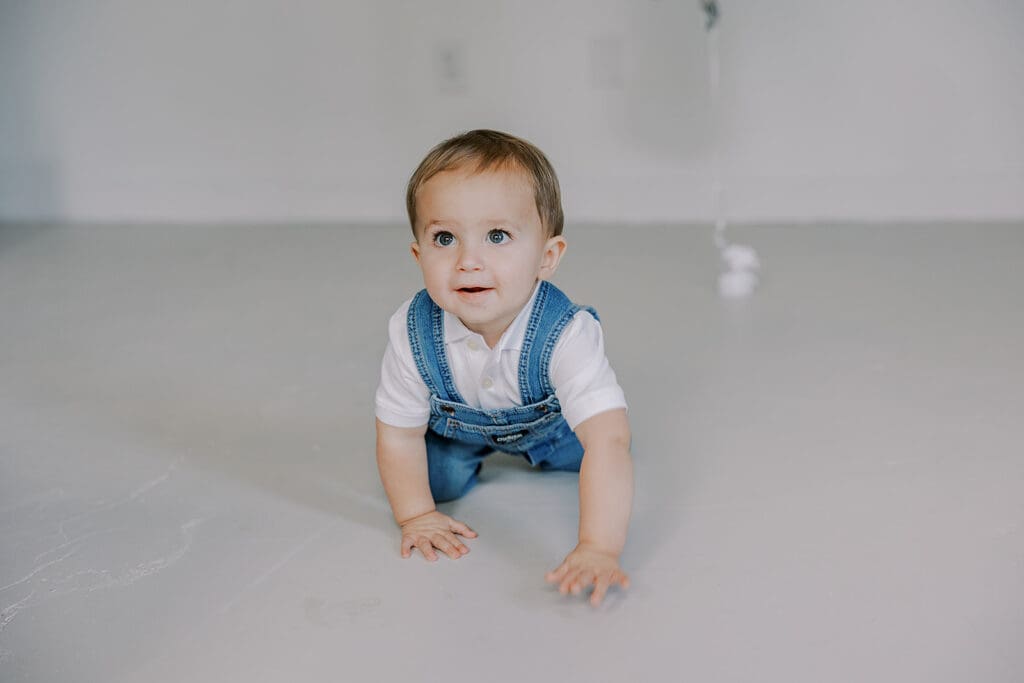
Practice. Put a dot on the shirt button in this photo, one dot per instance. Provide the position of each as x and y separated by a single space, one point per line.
473 346
488 383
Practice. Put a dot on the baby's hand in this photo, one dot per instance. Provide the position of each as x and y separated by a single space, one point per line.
434 530
585 566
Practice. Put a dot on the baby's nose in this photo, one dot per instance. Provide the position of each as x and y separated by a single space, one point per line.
469 260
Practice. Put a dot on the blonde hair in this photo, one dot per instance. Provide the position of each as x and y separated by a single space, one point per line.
490 149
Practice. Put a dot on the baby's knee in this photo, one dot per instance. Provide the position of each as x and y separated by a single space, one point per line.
448 486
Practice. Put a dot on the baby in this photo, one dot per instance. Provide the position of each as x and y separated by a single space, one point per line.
491 356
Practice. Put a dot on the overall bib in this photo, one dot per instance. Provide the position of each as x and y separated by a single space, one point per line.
458 436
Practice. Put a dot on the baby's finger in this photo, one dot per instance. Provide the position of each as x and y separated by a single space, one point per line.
407 543
600 589
621 578
568 581
584 579
460 528
446 546
426 548
461 547
557 574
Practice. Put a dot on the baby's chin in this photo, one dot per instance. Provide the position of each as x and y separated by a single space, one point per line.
474 321
482 322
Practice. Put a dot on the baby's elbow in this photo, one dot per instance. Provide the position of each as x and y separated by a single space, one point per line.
398 439
610 430
618 428
622 439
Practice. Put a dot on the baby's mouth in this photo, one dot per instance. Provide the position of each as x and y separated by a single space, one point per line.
473 290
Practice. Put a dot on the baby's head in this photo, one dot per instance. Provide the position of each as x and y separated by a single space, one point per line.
486 215
480 151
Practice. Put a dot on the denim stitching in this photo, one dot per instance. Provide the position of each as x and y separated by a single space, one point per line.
442 354
552 339
498 418
414 331
499 430
536 433
534 388
548 324
526 393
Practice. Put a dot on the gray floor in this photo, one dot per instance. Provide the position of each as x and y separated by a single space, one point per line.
830 476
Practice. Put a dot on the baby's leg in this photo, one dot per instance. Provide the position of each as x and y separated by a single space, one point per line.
563 452
453 466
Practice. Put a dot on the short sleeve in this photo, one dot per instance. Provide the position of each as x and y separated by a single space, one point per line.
583 379
402 398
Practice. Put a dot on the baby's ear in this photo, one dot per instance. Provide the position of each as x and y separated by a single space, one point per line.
553 252
415 248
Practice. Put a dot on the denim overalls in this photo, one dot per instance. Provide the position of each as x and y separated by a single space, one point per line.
458 436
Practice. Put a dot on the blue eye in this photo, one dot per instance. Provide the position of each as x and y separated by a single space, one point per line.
498 237
444 239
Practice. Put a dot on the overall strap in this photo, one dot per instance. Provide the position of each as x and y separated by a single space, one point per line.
425 323
552 311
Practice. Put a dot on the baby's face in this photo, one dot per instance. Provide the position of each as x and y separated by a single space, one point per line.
481 246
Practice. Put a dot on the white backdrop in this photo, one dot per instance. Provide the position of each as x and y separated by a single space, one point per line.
268 110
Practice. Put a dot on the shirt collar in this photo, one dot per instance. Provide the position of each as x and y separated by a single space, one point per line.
511 339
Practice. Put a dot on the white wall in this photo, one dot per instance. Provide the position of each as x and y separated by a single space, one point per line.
316 109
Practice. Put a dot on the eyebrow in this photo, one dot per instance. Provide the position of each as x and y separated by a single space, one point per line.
441 224
501 222
491 222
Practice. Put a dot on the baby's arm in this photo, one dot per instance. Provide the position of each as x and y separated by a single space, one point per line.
606 498
402 462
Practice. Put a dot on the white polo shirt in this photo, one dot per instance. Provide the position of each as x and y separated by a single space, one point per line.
488 379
